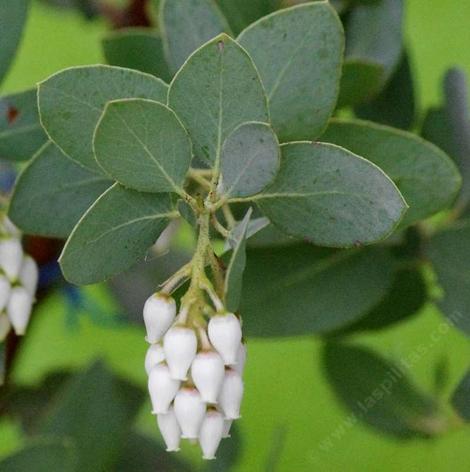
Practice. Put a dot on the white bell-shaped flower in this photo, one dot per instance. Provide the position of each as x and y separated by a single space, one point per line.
29 274
180 346
162 388
5 326
231 394
170 429
11 257
154 356
189 411
5 289
159 315
19 309
211 432
207 372
225 334
227 426
241 359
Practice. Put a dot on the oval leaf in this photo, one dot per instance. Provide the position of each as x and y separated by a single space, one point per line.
298 52
329 196
302 289
114 234
143 145
427 178
202 18
21 134
217 90
250 160
52 193
72 101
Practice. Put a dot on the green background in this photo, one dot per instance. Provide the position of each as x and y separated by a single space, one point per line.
286 394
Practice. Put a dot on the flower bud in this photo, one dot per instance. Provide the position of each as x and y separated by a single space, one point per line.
180 346
162 388
154 356
207 372
170 429
225 335
29 274
19 309
227 426
5 289
241 359
11 257
159 314
5 326
231 394
189 411
212 429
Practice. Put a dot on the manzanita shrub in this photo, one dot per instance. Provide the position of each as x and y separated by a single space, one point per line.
308 221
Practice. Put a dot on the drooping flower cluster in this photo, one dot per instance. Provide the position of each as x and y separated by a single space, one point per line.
195 374
18 281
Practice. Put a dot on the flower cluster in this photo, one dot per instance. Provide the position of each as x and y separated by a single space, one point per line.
194 371
18 281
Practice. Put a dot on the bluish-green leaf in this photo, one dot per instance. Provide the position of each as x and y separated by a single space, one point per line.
449 252
461 398
330 196
249 160
217 90
236 265
43 455
300 289
378 393
95 410
137 48
12 19
374 33
52 193
72 101
114 233
298 52
143 145
187 25
21 134
427 178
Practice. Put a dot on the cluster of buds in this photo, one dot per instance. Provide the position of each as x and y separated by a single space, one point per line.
195 374
18 281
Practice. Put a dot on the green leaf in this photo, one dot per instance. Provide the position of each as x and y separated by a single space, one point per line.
114 233
461 398
427 178
361 80
136 48
72 101
395 105
374 33
449 252
241 13
249 160
298 52
52 193
96 410
143 145
255 225
217 90
187 213
378 392
42 455
406 297
12 20
186 25
236 265
330 196
21 134
302 289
